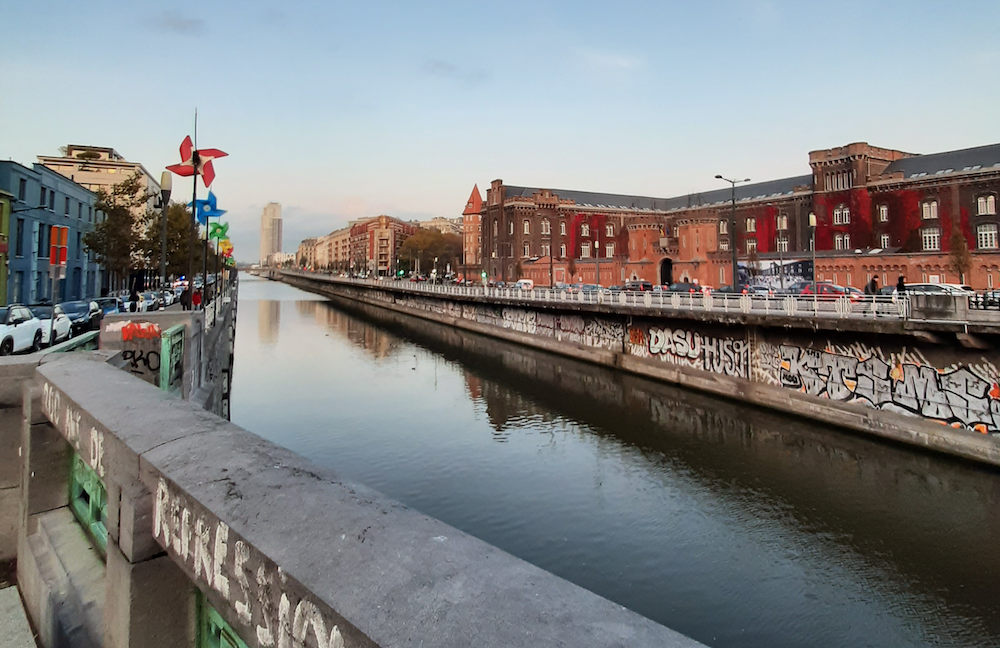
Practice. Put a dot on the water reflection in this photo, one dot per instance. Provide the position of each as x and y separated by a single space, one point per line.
733 525
268 321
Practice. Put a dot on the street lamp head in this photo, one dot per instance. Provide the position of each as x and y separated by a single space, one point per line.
718 177
812 219
166 180
745 180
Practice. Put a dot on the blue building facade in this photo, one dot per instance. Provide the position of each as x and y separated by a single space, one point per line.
43 198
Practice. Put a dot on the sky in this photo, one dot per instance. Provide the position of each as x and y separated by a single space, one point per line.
339 110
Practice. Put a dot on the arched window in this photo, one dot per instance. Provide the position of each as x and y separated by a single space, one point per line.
546 227
609 229
723 226
751 224
527 227
511 228
584 229
562 229
987 205
562 250
496 226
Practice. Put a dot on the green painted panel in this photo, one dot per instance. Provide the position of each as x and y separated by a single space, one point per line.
172 359
89 501
213 631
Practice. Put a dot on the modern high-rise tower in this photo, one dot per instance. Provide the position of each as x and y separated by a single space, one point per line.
270 231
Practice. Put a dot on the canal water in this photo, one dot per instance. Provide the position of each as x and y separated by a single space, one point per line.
733 525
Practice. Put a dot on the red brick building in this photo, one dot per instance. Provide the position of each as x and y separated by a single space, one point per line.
879 212
472 235
375 244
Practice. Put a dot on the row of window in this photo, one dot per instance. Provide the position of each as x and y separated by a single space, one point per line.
44 234
585 250
986 239
609 229
839 181
47 199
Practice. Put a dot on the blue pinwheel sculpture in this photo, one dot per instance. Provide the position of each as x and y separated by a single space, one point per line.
207 208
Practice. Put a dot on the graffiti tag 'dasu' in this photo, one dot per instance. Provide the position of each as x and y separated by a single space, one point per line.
192 542
727 356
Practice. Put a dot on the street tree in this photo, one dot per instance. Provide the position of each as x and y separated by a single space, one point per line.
179 223
959 258
429 244
116 238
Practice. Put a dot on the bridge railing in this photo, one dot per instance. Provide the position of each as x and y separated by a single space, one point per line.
657 302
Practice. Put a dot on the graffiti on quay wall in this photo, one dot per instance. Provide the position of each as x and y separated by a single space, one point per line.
727 356
956 396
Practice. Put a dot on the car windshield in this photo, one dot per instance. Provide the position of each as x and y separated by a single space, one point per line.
3 314
41 312
75 307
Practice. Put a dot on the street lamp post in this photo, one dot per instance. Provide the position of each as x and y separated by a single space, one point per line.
781 251
812 225
732 233
165 186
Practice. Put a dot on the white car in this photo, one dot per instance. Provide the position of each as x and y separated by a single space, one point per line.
62 327
19 330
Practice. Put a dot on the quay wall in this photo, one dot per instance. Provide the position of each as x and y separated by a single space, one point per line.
934 389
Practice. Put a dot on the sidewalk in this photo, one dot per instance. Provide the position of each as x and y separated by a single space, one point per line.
14 630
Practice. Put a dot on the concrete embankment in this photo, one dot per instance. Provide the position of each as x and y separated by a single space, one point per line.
913 387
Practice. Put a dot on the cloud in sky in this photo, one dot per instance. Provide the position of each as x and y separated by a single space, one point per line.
446 70
610 61
173 21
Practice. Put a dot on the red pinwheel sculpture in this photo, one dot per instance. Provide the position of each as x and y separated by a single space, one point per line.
197 162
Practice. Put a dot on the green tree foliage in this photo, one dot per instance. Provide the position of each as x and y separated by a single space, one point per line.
426 244
959 258
179 223
114 240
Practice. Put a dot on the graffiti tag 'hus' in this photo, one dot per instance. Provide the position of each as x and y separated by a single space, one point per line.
957 397
719 355
227 568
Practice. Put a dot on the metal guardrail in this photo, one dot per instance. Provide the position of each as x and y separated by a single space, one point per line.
814 306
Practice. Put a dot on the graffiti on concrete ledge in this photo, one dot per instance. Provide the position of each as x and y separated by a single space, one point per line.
727 356
957 397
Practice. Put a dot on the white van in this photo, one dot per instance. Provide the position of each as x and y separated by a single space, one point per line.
524 284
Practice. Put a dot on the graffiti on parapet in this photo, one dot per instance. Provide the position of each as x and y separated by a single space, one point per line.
727 356
956 396
140 361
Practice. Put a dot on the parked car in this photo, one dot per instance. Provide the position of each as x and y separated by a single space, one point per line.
684 287
60 328
760 289
111 305
825 288
19 330
638 286
524 284
152 300
84 314
937 289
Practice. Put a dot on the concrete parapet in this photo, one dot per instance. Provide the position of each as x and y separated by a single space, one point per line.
287 552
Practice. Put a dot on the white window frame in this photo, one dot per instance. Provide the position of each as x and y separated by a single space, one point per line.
986 236
609 250
527 226
782 244
751 245
562 251
585 250
562 228
885 241
847 241
751 225
584 229
987 205
883 213
930 239
609 229
838 242
546 226
723 226
511 228
724 244
782 223
527 250
929 209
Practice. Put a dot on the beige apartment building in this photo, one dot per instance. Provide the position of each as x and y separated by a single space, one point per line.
333 250
444 225
98 167
270 231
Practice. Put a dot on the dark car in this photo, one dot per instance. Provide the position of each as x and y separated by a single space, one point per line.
638 286
153 301
684 287
84 315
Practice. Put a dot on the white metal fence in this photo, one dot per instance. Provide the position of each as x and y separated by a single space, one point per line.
656 302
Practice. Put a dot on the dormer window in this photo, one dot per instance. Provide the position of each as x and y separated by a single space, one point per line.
929 210
987 205
751 224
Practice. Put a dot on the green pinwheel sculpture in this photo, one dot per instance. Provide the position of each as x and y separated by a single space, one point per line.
218 231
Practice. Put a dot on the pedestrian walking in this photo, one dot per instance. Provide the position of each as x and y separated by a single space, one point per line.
901 286
133 299
196 300
871 288
186 299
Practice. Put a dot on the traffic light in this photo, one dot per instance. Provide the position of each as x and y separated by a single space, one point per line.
57 245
